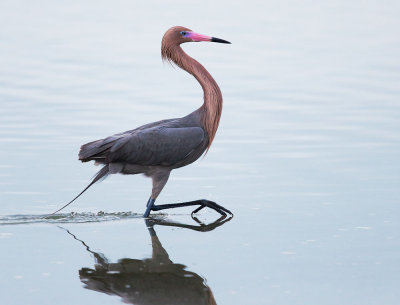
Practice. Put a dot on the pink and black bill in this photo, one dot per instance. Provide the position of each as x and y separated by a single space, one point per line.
214 39
199 37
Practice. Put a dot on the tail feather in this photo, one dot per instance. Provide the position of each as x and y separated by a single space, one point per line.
102 174
96 149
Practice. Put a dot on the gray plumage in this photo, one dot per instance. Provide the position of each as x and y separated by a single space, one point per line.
169 143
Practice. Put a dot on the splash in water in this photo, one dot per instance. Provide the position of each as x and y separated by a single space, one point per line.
67 218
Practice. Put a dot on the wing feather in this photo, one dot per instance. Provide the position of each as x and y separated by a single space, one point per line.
156 146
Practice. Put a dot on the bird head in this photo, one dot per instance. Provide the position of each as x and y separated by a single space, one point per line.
179 34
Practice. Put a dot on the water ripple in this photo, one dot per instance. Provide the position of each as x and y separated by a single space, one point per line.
67 218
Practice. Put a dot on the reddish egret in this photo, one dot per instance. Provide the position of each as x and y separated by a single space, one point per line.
157 148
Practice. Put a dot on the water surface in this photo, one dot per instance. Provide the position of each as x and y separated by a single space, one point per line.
306 155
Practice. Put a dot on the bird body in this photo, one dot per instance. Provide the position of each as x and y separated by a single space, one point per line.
157 148
153 149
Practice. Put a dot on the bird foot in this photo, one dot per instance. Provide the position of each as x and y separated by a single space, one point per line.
202 203
212 205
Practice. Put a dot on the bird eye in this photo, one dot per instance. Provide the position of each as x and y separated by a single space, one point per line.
183 33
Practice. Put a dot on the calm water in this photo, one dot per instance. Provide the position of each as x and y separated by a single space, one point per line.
306 155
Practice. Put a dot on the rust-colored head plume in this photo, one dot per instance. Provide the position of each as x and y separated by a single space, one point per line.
178 35
171 40
171 51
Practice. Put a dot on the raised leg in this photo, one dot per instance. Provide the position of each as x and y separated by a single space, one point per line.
160 177
202 203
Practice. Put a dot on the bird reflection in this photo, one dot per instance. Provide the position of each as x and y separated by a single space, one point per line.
155 280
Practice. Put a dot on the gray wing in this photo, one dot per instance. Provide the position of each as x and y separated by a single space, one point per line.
152 146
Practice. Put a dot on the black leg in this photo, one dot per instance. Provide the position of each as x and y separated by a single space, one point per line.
202 203
149 207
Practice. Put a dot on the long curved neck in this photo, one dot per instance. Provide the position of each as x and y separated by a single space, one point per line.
211 109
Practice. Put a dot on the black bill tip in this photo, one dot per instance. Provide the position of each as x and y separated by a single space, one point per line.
213 39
